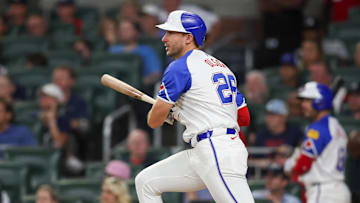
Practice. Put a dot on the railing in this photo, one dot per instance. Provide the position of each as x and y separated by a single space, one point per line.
107 128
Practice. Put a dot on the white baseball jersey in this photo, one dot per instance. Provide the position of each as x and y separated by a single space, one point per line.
325 142
205 91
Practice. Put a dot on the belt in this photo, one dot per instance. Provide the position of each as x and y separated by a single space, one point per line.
209 133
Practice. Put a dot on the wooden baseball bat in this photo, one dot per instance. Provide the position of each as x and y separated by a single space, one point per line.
125 88
130 91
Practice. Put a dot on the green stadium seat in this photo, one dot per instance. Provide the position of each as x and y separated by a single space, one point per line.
86 190
128 67
95 170
42 164
349 74
31 79
354 14
25 112
344 30
15 48
256 184
32 199
12 177
262 201
64 57
87 13
349 123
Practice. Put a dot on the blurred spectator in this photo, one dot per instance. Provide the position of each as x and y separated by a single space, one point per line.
4 197
36 60
312 30
46 194
7 89
115 191
129 33
354 101
84 48
11 134
76 113
66 11
108 30
54 129
138 145
130 9
277 131
256 89
75 117
4 27
320 72
281 26
289 73
357 55
339 10
275 182
37 26
294 105
148 21
311 52
118 169
17 14
211 19
283 152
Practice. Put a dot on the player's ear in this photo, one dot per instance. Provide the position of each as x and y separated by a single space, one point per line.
189 38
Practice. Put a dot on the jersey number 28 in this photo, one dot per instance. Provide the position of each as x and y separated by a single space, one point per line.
226 86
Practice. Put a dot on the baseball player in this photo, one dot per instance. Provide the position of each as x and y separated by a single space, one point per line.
204 93
319 164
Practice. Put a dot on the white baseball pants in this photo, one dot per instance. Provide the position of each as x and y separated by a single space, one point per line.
218 163
332 192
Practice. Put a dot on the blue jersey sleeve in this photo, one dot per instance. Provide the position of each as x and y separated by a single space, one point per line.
240 100
176 80
316 139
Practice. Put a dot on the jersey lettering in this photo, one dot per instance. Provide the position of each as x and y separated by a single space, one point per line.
226 86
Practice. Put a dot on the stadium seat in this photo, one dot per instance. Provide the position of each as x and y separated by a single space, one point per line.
128 67
86 190
64 57
18 47
12 177
256 184
95 170
344 30
349 74
349 123
354 14
32 79
42 164
25 111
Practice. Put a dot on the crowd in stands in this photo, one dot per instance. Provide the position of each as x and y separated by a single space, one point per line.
50 62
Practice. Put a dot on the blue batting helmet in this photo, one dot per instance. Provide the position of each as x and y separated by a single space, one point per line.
321 95
186 22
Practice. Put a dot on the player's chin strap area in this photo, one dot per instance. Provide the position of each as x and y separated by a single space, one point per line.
212 133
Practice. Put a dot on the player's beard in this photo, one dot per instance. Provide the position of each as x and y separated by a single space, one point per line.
173 51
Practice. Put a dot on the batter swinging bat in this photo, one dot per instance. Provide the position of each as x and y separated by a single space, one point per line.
128 90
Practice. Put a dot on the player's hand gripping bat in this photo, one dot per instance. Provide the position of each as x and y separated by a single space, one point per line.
130 91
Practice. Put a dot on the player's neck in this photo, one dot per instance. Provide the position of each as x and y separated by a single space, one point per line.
321 115
186 50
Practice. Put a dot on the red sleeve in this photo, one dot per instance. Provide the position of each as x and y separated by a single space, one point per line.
243 116
302 166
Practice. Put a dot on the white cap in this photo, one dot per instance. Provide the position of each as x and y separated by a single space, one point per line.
173 23
310 91
53 90
151 9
